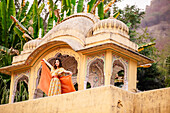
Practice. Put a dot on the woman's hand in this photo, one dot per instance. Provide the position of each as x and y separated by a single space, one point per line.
68 72
47 63
60 72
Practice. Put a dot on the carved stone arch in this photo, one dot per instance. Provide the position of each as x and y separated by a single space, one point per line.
38 93
93 78
21 77
120 65
74 69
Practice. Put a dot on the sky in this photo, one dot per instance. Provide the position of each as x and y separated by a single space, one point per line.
139 3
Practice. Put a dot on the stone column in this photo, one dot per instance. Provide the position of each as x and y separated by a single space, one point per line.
132 75
82 72
11 96
108 67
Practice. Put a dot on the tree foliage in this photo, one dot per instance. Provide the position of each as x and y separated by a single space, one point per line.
148 78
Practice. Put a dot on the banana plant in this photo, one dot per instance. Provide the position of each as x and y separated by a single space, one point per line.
4 90
6 9
37 21
21 93
10 51
106 8
12 32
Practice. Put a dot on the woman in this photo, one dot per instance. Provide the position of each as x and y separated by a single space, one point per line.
57 71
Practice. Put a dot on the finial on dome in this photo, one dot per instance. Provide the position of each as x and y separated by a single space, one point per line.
96 12
53 23
85 6
75 8
40 31
111 11
64 14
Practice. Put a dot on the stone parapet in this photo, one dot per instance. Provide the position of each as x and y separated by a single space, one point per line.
107 99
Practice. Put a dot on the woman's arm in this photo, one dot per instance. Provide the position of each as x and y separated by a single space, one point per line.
48 63
68 72
65 71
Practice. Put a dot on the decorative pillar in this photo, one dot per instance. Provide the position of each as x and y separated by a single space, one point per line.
82 73
108 67
132 76
32 82
11 96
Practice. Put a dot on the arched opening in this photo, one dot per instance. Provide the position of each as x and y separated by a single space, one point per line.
95 73
21 89
88 85
76 86
68 62
118 74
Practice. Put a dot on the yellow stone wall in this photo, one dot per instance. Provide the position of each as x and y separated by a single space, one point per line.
154 101
108 99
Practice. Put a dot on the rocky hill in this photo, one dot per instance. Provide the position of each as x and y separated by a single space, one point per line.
157 19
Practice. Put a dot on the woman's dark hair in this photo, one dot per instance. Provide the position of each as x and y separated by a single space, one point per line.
60 64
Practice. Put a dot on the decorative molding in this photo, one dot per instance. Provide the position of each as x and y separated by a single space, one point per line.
89 61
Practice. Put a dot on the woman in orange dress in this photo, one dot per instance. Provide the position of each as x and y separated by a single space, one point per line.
57 71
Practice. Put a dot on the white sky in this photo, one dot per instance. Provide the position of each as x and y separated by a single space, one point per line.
139 3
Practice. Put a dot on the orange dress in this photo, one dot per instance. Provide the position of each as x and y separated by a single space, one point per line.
55 84
49 83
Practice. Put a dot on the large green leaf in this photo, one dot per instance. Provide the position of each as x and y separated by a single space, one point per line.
73 2
23 11
20 26
101 10
64 6
4 49
18 32
35 18
116 14
50 7
39 12
41 8
68 3
11 11
0 9
91 4
29 14
50 23
0 23
55 18
4 22
80 6
42 27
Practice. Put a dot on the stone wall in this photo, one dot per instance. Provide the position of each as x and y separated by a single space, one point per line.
106 99
153 101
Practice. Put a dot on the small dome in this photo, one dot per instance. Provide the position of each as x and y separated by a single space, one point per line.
111 25
76 25
32 44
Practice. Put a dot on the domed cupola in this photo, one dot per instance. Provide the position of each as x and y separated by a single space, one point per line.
111 25
76 26
31 45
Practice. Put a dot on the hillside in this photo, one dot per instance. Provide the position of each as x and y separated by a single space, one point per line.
157 19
